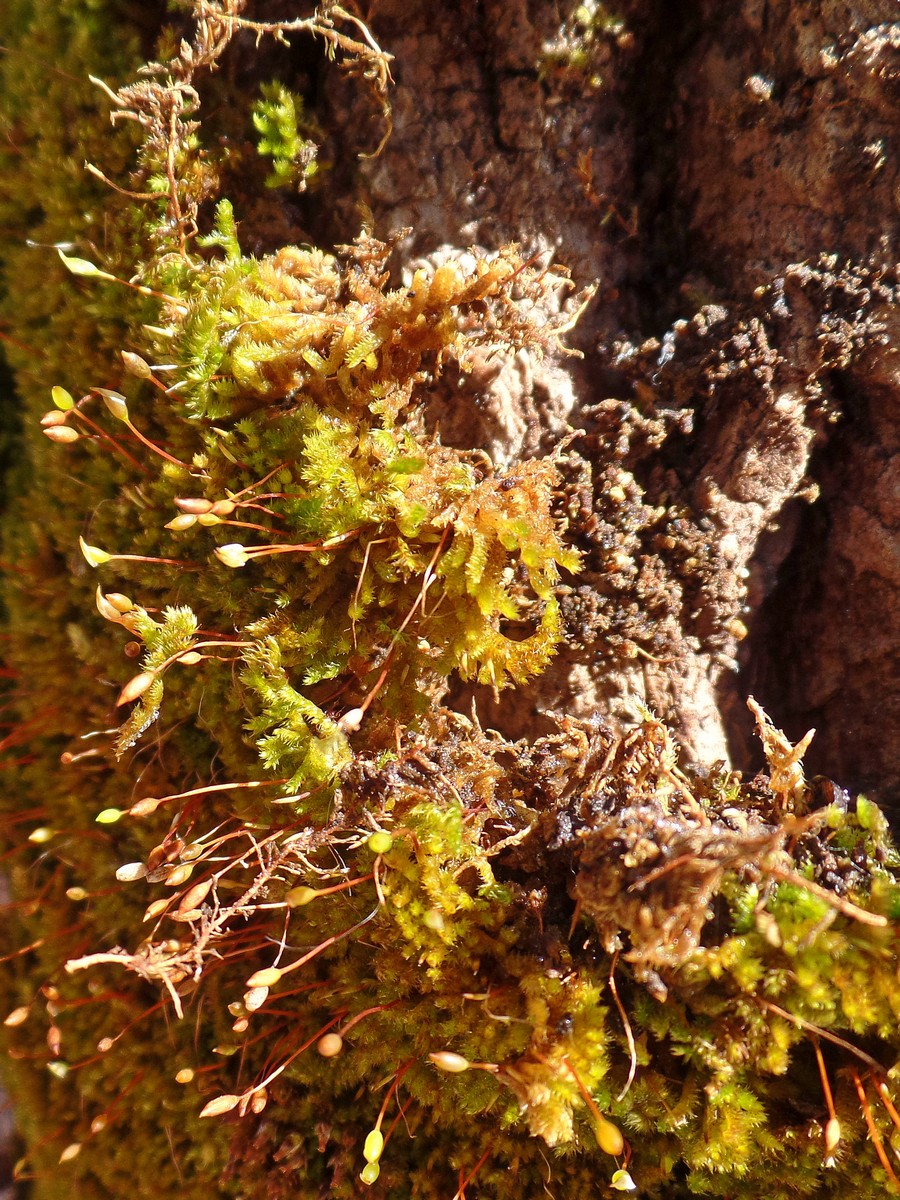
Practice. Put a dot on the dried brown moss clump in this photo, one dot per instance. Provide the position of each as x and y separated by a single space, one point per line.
290 926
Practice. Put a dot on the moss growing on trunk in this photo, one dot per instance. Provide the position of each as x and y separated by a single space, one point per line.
290 925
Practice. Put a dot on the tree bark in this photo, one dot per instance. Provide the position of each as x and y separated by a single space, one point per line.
714 192
728 177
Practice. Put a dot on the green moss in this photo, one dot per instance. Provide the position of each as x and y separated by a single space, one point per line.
544 963
285 137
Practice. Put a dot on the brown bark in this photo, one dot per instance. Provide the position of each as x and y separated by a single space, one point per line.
728 175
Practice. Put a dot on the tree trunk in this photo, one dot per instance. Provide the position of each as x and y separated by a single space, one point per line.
574 875
728 176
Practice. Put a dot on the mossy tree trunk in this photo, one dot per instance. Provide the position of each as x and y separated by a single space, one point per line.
722 184
729 176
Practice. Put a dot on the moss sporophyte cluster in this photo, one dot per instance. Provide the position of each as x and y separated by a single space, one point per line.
286 925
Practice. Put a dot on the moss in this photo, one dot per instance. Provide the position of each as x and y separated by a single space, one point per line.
286 138
289 925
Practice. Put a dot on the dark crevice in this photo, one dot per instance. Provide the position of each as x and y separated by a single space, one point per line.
794 625
667 34
768 657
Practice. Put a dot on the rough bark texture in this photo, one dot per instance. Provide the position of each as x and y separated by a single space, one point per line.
729 176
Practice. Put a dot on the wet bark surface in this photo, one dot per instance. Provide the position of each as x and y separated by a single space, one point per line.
727 176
